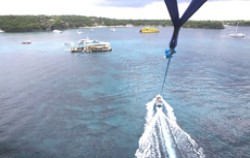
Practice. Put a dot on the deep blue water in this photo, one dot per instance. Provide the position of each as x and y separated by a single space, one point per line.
62 105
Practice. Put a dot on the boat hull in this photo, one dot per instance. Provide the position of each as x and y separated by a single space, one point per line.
149 30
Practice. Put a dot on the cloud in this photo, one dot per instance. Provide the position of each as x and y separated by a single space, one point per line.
47 7
127 3
153 10
211 10
224 10
129 9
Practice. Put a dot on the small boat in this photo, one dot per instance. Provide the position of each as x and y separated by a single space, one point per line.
1 31
236 33
129 25
149 30
57 31
113 29
79 32
26 42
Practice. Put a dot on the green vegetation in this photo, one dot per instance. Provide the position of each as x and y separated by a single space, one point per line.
204 24
44 23
27 23
234 23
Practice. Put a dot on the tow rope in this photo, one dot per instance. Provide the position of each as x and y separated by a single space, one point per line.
177 23
168 55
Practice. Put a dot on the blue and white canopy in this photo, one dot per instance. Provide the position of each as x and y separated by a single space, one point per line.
176 20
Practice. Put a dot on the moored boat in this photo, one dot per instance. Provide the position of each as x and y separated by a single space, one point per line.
88 46
79 32
149 30
237 35
26 42
57 31
98 47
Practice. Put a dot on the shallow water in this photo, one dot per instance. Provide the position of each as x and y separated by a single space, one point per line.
57 104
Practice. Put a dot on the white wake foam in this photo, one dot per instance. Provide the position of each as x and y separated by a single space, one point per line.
162 136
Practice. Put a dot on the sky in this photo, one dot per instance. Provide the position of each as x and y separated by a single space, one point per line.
127 9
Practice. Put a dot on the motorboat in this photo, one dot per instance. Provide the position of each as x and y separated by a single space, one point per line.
57 31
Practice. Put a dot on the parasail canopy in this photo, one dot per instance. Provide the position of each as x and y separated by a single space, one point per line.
176 20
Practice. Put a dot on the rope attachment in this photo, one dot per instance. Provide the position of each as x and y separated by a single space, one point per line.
168 54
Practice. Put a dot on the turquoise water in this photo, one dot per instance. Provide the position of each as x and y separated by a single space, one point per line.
62 105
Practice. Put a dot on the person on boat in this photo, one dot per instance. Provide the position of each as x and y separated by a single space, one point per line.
159 105
158 101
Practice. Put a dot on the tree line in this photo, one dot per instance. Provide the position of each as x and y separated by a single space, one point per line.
29 23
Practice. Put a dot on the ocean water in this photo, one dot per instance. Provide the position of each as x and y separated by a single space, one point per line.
61 105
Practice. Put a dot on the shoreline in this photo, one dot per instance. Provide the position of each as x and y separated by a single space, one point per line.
43 23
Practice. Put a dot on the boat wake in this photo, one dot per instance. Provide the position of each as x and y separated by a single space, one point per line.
163 138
